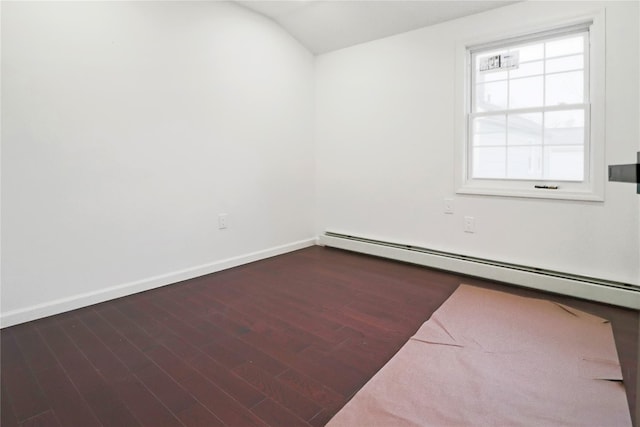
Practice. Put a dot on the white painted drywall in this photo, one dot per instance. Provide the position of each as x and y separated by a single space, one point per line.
385 150
127 127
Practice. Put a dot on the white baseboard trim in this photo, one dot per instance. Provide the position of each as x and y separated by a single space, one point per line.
62 305
611 295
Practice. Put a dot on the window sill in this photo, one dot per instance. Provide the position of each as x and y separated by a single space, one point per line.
531 193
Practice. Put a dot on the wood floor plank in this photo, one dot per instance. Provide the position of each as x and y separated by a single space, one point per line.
227 409
130 329
340 377
142 404
172 323
45 419
276 344
147 409
250 316
134 312
232 384
167 390
312 389
276 415
7 416
89 382
69 405
199 386
116 342
321 322
97 353
61 395
278 391
224 356
199 416
365 361
323 327
247 352
322 418
35 353
27 399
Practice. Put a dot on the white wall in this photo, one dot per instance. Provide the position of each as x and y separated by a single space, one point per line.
127 128
385 150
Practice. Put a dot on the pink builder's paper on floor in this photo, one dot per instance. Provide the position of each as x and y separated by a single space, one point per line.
488 358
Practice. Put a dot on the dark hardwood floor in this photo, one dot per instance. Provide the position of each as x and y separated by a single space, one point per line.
282 342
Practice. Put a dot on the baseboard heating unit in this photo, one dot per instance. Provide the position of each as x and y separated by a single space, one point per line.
610 292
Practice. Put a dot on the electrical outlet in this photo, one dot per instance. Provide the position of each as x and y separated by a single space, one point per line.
469 224
222 221
448 206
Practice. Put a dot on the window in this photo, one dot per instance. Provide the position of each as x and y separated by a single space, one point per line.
528 116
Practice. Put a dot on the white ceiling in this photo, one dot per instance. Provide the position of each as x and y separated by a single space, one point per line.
323 26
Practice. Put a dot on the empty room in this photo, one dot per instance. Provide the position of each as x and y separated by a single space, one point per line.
309 213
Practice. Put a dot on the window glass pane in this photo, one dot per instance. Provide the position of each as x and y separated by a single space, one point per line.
531 52
525 92
564 88
564 127
488 162
564 163
524 162
567 63
528 69
491 76
564 119
491 96
489 130
525 129
565 46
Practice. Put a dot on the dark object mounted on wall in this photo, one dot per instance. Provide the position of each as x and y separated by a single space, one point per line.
626 173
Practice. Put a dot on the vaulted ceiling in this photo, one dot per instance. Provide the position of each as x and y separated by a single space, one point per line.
323 26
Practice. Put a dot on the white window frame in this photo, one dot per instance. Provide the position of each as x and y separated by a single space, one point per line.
592 187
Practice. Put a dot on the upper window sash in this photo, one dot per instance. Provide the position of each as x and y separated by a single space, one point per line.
524 41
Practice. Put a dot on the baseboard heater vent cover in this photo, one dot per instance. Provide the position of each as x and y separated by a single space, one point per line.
611 292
